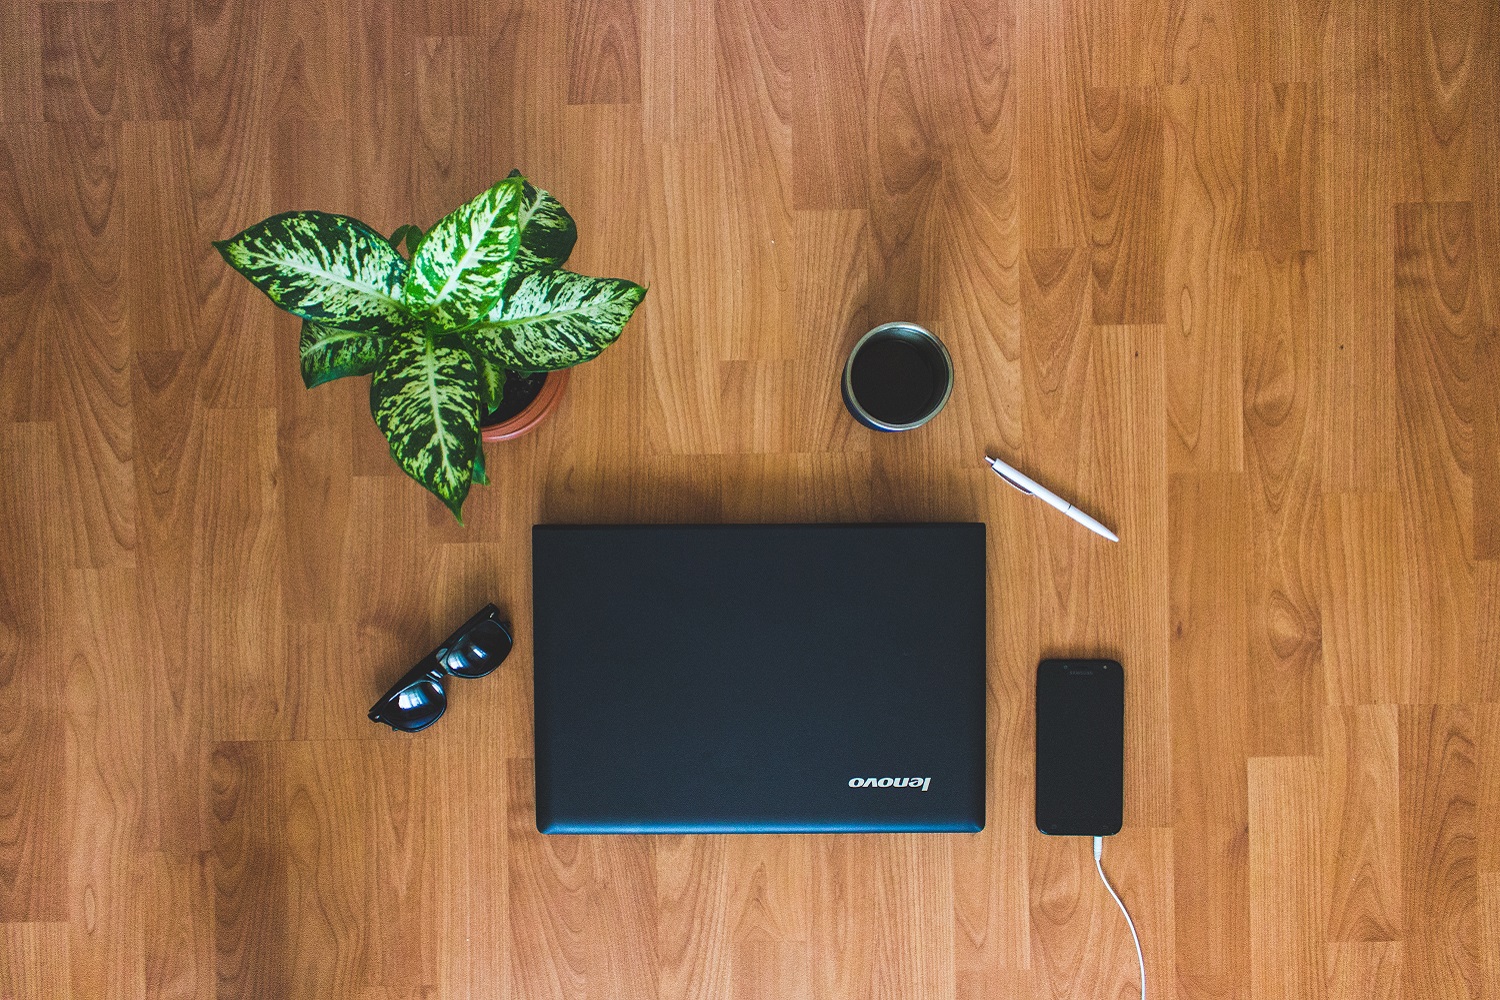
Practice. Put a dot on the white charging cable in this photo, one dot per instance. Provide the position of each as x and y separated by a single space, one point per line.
1099 864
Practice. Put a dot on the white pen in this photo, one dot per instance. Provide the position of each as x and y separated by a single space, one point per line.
1030 486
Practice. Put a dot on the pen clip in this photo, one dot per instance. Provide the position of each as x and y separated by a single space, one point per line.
1012 482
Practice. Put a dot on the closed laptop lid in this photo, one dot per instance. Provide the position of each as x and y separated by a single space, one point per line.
759 678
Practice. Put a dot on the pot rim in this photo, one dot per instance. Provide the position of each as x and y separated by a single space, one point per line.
536 411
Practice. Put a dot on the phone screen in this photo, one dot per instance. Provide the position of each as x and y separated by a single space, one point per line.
1080 747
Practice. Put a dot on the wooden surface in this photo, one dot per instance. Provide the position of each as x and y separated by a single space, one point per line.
1226 273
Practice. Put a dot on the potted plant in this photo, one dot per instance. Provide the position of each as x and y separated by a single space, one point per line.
482 304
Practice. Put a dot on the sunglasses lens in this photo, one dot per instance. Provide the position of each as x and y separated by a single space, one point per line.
481 650
414 707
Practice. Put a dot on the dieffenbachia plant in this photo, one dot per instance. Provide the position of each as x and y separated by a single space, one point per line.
484 292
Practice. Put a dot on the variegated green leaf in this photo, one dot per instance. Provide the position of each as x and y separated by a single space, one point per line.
491 383
425 400
480 476
555 319
330 269
459 268
328 353
547 230
408 233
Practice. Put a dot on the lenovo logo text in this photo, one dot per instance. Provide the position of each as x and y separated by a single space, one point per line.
921 783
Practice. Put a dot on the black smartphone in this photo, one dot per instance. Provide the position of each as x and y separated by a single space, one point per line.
1080 747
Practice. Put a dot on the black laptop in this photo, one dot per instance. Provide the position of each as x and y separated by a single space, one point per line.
759 678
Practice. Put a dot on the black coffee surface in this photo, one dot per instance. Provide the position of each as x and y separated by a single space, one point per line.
893 380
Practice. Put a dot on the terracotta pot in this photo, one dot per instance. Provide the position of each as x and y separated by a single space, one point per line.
536 411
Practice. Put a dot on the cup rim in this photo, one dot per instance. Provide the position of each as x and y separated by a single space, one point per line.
848 381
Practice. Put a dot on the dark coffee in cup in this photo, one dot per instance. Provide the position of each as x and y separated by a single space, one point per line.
898 377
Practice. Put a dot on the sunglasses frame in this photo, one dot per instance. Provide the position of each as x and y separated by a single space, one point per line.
433 669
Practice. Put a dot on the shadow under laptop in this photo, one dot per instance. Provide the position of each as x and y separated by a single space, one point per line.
766 488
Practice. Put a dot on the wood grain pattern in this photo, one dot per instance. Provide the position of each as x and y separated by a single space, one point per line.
1489 901
1443 47
833 278
1204 196
755 72
1284 380
21 69
34 959
1051 74
1127 45
978 256
81 62
1286 878
679 71
1358 304
1210 694
251 944
1362 835
1438 832
1487 725
1223 273
169 449
604 52
1487 415
35 834
1486 472
89 343
1281 142
1437 325
1124 173
828 118
1367 651
1366 969
105 713
24 292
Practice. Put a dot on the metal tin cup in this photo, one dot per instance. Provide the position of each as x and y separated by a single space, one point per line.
898 377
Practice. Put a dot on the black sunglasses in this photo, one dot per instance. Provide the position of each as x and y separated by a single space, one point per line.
418 699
